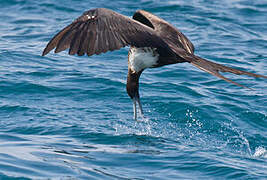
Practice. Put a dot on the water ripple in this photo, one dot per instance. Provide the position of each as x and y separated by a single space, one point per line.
69 117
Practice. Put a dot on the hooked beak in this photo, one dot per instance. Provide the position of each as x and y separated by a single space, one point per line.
132 90
136 101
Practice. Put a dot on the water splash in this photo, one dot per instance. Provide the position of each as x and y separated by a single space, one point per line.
260 152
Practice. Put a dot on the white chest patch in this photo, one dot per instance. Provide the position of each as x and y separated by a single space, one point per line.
141 58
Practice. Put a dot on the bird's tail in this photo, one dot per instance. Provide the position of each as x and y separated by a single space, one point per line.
215 69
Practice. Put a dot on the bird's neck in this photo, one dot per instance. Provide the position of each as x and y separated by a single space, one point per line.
133 83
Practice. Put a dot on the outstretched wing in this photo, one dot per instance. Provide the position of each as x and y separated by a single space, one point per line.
183 47
167 31
101 30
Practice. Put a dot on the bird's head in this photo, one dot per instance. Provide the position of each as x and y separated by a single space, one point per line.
133 90
133 84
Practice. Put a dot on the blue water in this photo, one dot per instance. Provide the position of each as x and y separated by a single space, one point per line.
69 117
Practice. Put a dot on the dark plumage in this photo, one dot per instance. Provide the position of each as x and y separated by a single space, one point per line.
153 41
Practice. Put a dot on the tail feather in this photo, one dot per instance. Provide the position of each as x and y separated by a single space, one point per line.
215 69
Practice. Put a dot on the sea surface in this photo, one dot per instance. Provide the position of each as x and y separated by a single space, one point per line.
69 117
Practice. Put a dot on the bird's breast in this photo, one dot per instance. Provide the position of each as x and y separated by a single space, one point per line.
142 58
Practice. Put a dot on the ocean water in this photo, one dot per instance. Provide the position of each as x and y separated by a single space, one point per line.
69 117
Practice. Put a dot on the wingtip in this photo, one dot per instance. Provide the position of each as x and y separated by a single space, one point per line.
44 52
47 50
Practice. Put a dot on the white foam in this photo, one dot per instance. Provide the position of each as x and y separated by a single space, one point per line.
260 152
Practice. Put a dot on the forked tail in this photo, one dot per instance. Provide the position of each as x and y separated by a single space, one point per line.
215 69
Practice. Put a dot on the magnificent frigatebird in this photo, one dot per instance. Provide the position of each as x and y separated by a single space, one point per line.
153 43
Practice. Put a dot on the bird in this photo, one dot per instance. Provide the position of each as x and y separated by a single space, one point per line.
153 42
